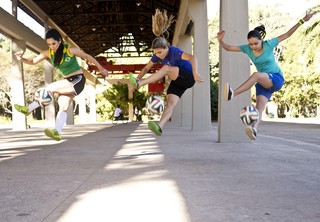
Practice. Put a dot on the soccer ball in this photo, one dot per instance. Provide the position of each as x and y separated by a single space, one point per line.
155 104
249 115
43 96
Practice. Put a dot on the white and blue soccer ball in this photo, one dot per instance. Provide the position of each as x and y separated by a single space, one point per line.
43 96
249 115
155 104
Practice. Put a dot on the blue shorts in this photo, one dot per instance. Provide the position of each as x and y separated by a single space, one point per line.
277 80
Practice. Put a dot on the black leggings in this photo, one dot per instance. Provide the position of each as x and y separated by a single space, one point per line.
184 81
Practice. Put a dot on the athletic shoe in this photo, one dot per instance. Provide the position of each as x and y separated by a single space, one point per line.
251 132
133 81
228 92
22 109
53 134
155 128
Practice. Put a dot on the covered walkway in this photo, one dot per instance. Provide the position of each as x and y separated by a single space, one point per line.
121 173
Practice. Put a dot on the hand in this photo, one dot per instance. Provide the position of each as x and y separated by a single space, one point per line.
19 55
104 73
220 35
308 15
198 78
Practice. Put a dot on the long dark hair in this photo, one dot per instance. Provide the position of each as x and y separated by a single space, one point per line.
54 34
258 32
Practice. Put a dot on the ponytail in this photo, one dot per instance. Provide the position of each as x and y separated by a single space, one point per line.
160 25
161 22
258 32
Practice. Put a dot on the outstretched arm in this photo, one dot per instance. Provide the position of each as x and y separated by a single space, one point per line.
145 70
77 52
224 45
286 35
32 61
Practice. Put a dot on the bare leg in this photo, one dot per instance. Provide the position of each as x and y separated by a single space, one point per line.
260 105
171 71
172 101
62 87
258 77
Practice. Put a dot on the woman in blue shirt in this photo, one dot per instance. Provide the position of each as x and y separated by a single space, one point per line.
179 66
269 77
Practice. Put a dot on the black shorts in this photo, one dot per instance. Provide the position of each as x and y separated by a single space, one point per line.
78 82
184 81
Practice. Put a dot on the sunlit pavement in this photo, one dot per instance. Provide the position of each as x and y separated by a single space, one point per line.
111 173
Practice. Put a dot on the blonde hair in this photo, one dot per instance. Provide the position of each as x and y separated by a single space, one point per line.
161 22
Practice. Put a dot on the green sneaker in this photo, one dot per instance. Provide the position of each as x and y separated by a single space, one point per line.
53 134
155 128
133 81
22 109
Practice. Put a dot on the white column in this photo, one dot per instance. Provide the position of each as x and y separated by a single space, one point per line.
130 96
50 113
234 68
183 111
16 83
92 102
81 101
201 120
70 115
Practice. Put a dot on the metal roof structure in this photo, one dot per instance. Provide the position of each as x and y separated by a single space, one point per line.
123 28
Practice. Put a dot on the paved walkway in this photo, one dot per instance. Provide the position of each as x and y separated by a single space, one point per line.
123 173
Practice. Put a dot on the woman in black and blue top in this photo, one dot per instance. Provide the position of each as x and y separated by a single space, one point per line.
269 77
64 58
179 66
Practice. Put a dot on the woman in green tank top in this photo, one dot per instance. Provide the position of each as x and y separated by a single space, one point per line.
63 57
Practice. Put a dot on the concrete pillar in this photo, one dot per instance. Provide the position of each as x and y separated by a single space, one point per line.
70 117
201 115
234 68
50 113
183 111
81 101
130 96
92 102
16 83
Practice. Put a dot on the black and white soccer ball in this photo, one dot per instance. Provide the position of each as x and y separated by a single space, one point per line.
249 115
155 104
43 96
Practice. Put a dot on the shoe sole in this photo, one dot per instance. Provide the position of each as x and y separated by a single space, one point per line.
49 134
226 91
154 128
249 133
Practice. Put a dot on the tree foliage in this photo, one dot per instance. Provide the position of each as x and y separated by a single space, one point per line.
116 95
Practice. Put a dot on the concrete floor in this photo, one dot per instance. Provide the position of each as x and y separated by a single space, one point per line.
123 173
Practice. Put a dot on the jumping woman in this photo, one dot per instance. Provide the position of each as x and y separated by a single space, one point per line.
179 66
269 77
63 57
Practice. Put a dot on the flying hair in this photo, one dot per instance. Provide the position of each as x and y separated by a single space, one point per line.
161 23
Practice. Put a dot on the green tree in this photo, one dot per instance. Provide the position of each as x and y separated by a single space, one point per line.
116 95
